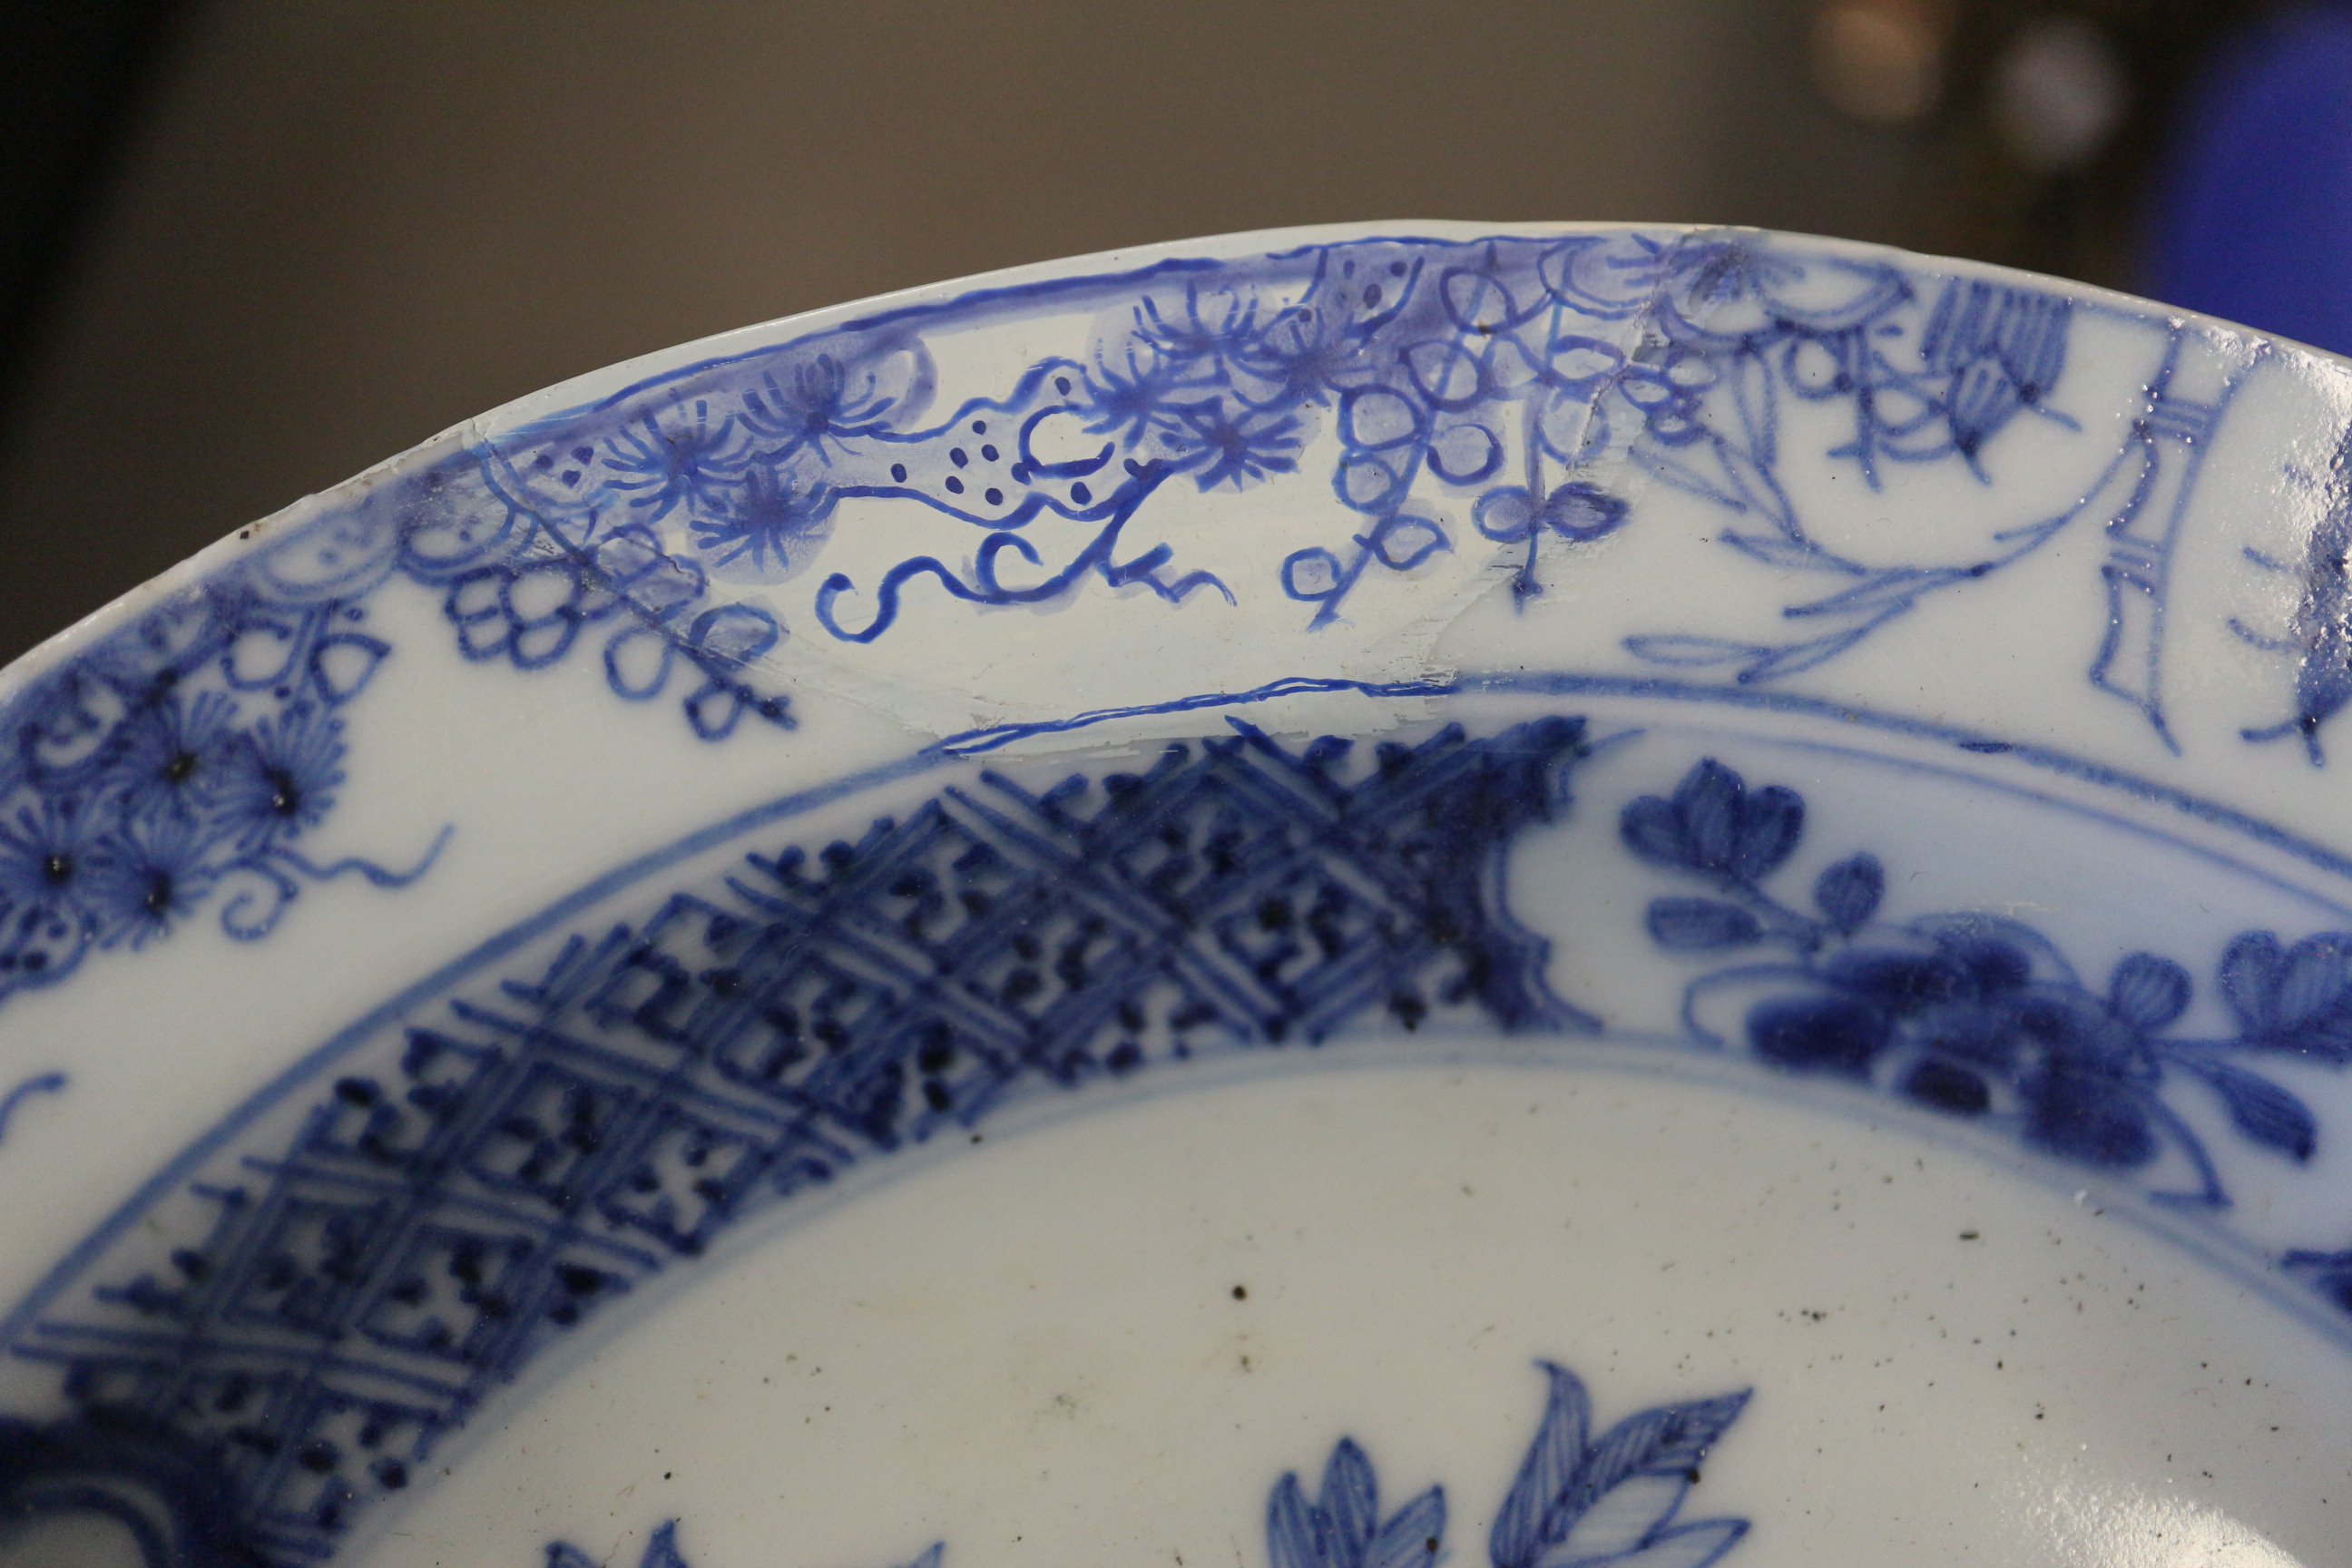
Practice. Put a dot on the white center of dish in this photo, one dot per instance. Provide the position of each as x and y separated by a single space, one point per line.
1102 1341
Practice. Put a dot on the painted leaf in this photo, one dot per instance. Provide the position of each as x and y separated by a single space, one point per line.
1620 1520
1414 1537
2263 1110
1891 588
1788 553
1683 477
1566 1479
1693 652
1771 664
1341 1529
1688 1546
1352 1502
1670 1440
661 1551
1517 1538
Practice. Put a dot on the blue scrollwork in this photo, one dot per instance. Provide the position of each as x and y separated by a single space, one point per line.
1491 390
1487 385
1976 1015
1614 1500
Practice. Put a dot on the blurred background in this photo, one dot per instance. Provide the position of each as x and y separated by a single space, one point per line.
251 247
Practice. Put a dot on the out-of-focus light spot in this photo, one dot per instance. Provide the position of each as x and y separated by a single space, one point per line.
1880 61
2058 93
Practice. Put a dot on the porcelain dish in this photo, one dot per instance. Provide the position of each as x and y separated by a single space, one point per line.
1602 897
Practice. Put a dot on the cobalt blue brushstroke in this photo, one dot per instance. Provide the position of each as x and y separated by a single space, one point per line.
1613 1500
186 752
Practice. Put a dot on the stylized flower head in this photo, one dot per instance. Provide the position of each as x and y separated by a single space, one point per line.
1714 824
771 514
1998 350
284 777
1192 337
1718 293
51 860
175 756
151 874
46 854
1220 444
1303 356
2296 999
668 464
1974 1015
1132 402
813 399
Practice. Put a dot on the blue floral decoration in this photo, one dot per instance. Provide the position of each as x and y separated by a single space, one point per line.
137 798
1974 1015
1492 387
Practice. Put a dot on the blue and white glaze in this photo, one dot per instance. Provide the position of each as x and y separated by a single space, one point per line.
1446 410
1613 1500
1546 536
316 1302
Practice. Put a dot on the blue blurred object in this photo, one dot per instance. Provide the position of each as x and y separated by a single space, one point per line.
2253 209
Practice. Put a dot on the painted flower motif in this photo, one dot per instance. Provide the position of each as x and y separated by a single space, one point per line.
1670 396
46 854
1577 510
2297 999
530 612
662 1552
1972 1018
771 514
150 875
1304 355
50 861
661 466
1731 293
1970 1015
1343 1527
1997 350
1192 338
1712 824
1219 445
175 757
284 777
1131 404
1439 361
1582 1499
818 397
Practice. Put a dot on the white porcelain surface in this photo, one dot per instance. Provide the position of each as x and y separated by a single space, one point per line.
1830 933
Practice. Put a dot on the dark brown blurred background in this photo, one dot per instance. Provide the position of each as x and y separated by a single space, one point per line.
252 248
